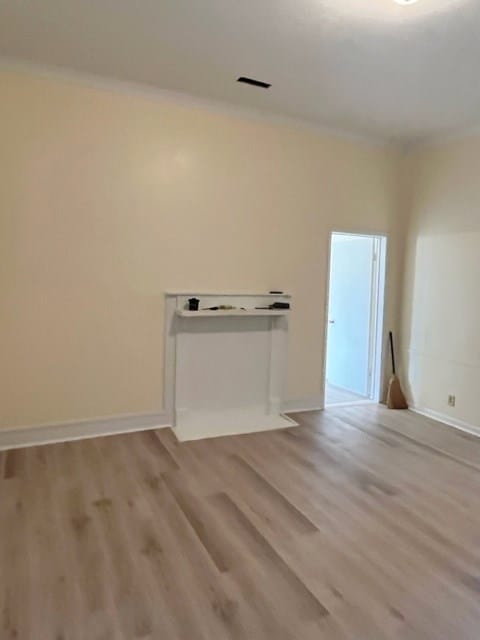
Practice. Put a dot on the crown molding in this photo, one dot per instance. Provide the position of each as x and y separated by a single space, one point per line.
404 145
443 139
108 83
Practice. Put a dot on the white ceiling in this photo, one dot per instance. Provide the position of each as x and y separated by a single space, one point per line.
365 66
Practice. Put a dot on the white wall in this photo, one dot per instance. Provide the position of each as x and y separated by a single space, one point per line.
109 197
441 319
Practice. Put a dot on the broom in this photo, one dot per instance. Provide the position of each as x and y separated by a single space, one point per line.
395 397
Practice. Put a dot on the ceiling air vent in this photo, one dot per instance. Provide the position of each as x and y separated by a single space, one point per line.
254 83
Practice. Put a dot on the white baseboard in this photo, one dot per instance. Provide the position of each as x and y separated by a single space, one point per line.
309 403
62 432
448 420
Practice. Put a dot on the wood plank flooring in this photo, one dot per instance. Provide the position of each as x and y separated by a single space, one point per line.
337 395
360 524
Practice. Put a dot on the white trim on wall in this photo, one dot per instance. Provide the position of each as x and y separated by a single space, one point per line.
446 419
63 432
309 403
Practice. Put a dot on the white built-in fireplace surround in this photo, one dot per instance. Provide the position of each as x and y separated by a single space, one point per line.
225 370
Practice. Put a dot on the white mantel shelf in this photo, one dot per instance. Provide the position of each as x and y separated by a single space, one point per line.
245 294
235 313
225 376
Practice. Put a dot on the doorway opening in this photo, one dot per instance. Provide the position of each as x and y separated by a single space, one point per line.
355 318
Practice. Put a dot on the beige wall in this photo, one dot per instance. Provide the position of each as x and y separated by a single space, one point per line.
109 198
441 320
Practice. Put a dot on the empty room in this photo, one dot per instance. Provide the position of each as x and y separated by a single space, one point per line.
239 311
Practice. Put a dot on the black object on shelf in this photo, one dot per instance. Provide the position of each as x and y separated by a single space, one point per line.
276 305
193 304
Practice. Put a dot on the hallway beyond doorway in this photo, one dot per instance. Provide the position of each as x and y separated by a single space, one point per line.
338 396
354 331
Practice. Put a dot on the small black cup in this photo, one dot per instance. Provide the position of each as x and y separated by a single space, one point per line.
193 304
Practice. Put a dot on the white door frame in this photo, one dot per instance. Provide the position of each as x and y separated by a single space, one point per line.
377 316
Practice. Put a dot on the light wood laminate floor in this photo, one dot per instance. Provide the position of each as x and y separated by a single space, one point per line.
360 524
337 395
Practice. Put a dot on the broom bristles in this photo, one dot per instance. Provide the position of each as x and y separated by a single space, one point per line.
395 397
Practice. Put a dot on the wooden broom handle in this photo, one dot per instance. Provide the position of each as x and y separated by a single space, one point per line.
392 352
